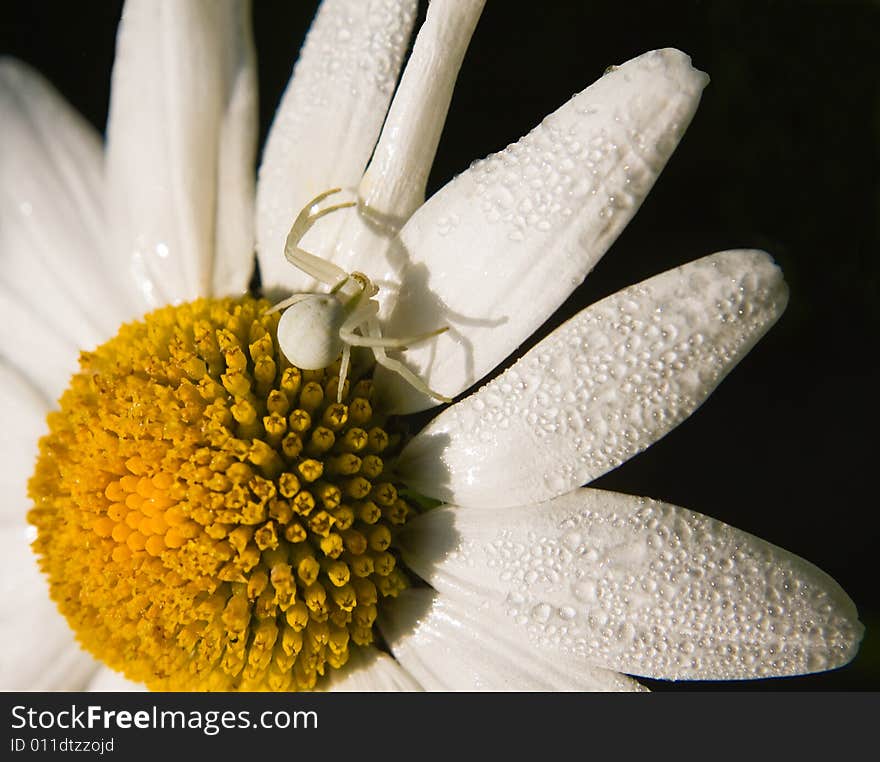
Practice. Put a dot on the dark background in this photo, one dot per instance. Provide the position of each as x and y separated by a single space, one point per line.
782 155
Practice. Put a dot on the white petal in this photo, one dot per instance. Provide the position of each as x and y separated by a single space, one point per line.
604 386
638 586
394 184
107 680
23 412
495 252
370 670
448 646
33 346
327 124
52 229
37 648
181 141
236 176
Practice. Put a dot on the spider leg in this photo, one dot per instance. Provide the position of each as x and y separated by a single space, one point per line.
364 310
289 302
372 326
363 313
318 268
343 370
386 342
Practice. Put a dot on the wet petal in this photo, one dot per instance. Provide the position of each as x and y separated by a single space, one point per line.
495 252
53 259
394 184
370 670
604 386
448 646
638 586
181 142
327 124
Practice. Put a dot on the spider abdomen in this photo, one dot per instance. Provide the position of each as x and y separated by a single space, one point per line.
308 331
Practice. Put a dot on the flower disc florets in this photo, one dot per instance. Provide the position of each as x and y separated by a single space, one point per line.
208 516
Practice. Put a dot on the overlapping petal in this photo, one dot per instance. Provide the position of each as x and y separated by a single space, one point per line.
393 186
369 669
601 388
638 586
328 123
181 141
450 646
495 252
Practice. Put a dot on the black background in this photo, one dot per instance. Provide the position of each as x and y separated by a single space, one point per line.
782 155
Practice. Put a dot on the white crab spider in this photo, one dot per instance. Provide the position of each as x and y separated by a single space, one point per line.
316 328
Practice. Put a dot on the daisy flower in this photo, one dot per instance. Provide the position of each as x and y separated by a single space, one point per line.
210 516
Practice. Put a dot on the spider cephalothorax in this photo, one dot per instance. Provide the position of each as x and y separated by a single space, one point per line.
316 328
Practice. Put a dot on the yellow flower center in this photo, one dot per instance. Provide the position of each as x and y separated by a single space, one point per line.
209 517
